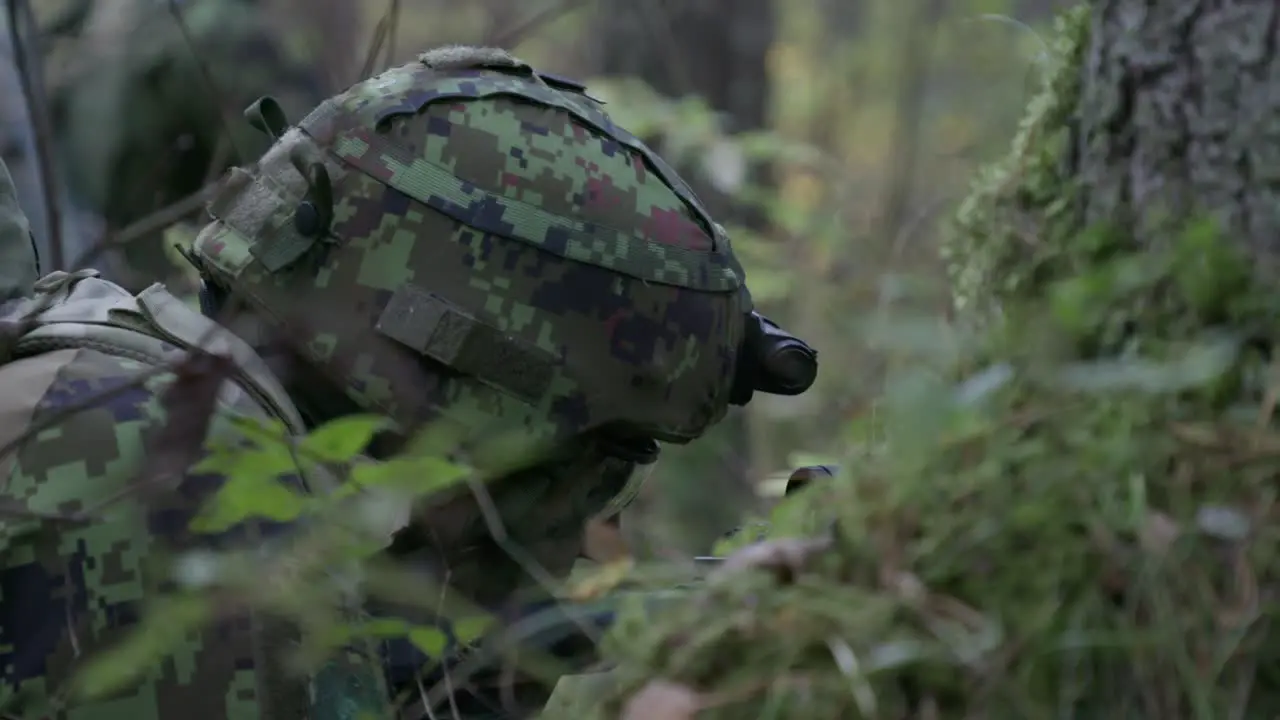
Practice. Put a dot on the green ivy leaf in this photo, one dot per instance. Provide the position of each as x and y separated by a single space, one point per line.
385 628
263 432
249 496
431 641
1209 270
419 475
470 629
168 624
343 439
266 462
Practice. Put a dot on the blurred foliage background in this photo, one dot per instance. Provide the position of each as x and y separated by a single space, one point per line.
833 137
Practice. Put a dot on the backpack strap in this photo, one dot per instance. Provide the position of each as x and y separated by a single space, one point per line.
154 327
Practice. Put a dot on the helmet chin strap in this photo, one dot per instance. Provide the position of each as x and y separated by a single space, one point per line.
316 406
211 297
210 300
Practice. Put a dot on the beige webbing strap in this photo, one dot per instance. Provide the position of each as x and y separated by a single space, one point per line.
437 329
190 329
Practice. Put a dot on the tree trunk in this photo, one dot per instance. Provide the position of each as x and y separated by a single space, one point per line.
1159 112
1180 112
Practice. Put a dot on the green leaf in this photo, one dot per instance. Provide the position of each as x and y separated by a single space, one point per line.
431 641
263 432
168 624
266 462
384 628
244 497
470 629
419 475
343 439
1208 269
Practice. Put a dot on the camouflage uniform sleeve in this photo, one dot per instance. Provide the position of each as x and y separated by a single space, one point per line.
71 588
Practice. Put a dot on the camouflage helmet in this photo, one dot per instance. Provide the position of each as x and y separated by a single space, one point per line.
465 239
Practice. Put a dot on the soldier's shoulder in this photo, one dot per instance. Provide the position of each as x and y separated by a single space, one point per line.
79 531
52 381
79 421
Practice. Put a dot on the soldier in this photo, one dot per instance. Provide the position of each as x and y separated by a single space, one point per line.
461 241
148 110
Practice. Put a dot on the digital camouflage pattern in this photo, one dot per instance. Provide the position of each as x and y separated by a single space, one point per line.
147 115
81 554
463 238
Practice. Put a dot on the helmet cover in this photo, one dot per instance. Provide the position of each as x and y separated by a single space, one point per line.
464 239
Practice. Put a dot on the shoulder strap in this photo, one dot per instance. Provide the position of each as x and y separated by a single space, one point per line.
154 327
191 329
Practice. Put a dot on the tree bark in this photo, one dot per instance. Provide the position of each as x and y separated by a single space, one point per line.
1158 112
1180 113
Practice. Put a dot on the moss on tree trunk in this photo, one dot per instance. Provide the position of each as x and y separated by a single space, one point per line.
1155 114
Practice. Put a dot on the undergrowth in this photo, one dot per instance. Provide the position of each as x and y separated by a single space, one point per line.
1070 512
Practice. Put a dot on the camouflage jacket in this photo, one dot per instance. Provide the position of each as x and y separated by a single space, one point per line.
78 406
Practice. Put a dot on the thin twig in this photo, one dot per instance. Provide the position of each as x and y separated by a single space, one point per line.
393 27
375 47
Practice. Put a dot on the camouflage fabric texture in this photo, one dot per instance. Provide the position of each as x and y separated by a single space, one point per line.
83 551
464 238
146 114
